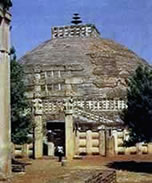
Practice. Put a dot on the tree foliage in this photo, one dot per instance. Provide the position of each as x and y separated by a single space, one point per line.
138 116
20 108
7 3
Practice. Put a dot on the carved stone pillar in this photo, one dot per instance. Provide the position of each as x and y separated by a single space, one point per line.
102 143
5 130
89 142
38 137
69 129
51 149
110 146
149 148
77 141
38 122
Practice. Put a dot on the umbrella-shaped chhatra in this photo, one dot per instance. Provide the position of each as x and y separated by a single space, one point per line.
76 19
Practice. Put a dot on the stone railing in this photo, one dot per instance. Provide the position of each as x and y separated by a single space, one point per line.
96 106
88 142
25 150
87 30
94 143
102 105
140 148
101 143
90 116
52 106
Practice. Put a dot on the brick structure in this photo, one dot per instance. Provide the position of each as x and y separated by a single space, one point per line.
103 177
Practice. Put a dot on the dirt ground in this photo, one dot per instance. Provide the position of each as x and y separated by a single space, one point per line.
130 169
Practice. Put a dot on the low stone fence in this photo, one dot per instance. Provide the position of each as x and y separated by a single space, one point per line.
87 142
103 177
94 143
107 143
21 151
140 148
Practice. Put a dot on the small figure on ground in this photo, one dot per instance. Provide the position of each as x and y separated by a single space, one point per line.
60 152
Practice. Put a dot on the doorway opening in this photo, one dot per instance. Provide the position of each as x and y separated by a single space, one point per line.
56 134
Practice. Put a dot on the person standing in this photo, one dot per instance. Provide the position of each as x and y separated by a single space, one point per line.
60 152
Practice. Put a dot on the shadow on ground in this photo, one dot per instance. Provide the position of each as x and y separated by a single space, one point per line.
133 166
19 166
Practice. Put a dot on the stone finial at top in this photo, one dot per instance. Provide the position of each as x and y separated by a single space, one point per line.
75 30
76 19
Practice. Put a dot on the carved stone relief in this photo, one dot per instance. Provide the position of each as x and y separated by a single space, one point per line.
37 106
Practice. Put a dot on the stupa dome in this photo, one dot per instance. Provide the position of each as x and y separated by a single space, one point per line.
100 65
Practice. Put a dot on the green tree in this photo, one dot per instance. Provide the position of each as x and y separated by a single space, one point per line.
20 108
138 116
7 3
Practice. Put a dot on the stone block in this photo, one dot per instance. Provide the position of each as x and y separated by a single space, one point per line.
102 143
95 150
130 150
95 142
142 148
51 149
120 150
82 150
121 134
110 146
82 142
149 148
95 135
89 142
120 142
74 80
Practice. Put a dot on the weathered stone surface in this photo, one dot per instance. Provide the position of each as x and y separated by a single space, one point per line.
5 133
101 65
88 176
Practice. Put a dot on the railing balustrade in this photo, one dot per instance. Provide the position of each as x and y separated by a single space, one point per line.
95 106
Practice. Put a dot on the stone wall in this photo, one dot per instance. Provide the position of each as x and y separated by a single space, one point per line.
87 142
140 148
107 143
94 143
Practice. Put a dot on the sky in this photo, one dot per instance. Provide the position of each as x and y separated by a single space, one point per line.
128 22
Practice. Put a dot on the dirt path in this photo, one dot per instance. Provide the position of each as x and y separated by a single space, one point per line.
130 169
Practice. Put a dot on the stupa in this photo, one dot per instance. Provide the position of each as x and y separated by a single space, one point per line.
79 66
